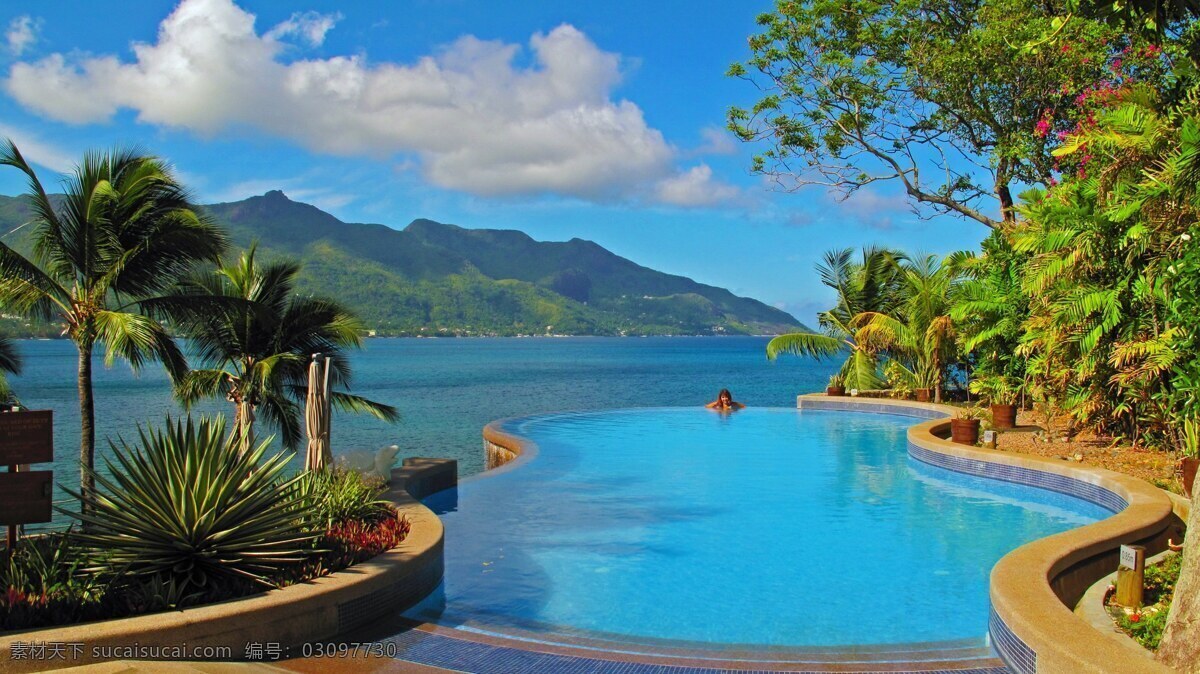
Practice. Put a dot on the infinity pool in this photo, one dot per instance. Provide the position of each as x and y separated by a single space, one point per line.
764 528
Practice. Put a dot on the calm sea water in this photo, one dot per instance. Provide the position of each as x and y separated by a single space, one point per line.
446 389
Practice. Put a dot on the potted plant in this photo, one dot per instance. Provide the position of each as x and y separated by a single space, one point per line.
1191 455
837 386
964 427
1001 393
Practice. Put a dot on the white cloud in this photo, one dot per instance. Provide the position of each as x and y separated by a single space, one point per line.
716 141
38 151
308 26
22 33
476 120
696 187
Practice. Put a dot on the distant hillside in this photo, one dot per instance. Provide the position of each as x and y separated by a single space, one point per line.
437 279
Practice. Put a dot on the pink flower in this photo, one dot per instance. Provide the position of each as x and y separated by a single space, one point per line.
1042 128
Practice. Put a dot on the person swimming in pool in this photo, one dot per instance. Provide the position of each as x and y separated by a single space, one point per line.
724 402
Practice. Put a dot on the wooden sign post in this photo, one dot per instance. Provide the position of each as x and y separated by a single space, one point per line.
1131 576
25 496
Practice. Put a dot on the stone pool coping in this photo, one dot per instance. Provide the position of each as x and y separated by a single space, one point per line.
316 610
1035 587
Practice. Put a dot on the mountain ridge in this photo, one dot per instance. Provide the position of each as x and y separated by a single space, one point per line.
438 279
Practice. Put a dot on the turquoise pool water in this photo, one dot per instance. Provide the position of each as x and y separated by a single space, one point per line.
768 527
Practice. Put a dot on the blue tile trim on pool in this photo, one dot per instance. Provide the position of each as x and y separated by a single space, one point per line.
875 407
1019 657
1020 475
470 656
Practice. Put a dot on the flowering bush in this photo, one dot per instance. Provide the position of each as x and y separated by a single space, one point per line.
347 543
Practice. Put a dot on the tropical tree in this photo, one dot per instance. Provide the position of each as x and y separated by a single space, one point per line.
917 333
255 350
989 314
103 255
1102 246
869 285
933 97
10 362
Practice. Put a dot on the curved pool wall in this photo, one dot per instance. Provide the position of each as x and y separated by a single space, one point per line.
1034 588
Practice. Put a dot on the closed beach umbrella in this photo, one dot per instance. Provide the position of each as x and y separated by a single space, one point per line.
316 415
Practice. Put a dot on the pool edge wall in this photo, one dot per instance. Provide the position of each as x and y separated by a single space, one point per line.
1034 588
313 611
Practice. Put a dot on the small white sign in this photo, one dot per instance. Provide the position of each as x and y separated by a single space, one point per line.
989 437
1128 557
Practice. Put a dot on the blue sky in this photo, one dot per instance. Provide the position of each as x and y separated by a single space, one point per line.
595 120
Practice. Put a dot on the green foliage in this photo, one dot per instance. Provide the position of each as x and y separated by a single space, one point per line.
333 497
255 347
837 380
989 312
870 285
917 333
972 412
186 506
899 379
864 91
997 389
1104 339
10 363
434 279
1148 628
45 584
103 256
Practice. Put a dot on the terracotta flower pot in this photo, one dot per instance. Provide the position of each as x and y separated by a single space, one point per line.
1004 416
835 391
964 431
1188 467
924 395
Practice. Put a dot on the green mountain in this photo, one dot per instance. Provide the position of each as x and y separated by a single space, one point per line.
437 279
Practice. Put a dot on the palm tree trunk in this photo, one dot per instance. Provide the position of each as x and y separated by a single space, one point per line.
243 423
87 422
1180 647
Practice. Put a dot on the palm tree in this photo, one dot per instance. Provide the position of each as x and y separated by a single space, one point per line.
103 255
10 362
918 335
871 285
255 351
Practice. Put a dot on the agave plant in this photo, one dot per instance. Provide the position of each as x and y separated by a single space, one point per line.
185 505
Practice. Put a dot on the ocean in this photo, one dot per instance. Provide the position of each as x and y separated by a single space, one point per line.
446 389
